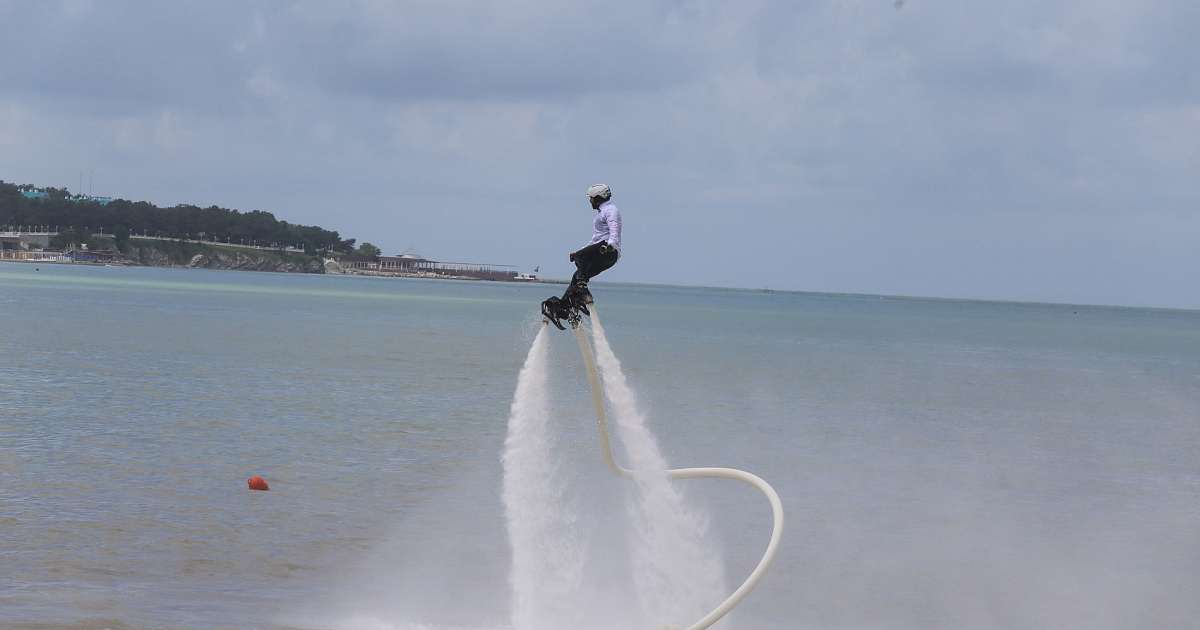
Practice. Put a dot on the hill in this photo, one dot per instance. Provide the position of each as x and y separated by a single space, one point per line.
77 219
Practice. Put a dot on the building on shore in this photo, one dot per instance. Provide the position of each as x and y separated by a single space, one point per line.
24 239
33 246
41 194
413 264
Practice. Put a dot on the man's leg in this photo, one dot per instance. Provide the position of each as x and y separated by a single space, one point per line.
589 262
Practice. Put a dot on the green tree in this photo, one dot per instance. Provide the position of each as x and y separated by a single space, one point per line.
367 249
121 238
67 236
62 211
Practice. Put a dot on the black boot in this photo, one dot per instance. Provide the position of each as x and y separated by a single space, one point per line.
579 302
555 309
578 297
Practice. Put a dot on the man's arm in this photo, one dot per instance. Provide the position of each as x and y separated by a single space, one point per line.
613 218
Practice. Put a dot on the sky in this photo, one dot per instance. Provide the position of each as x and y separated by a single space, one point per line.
1019 150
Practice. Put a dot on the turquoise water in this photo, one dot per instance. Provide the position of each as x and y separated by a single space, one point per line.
944 464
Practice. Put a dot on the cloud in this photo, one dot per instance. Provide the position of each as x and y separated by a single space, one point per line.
832 145
479 50
118 59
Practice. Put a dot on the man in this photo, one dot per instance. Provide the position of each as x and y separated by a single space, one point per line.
599 254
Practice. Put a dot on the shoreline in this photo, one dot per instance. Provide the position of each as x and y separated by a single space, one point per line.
437 276
346 272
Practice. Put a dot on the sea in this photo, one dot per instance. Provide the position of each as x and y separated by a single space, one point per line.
941 463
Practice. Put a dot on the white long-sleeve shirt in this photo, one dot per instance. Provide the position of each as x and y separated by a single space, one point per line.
607 226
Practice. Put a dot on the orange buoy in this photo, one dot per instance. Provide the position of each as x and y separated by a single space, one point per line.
257 483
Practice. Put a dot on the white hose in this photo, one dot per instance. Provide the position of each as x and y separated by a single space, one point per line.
589 360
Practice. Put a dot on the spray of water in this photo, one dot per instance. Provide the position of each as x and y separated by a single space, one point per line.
677 571
548 547
676 575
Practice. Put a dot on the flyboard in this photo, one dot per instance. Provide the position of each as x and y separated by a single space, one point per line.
589 360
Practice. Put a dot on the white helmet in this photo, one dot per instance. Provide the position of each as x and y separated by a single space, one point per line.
599 190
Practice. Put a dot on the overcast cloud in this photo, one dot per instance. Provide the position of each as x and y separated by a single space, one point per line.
1016 150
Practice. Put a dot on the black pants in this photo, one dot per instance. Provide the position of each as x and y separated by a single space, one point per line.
589 262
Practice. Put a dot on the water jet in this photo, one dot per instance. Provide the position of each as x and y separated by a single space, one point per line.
542 563
760 570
